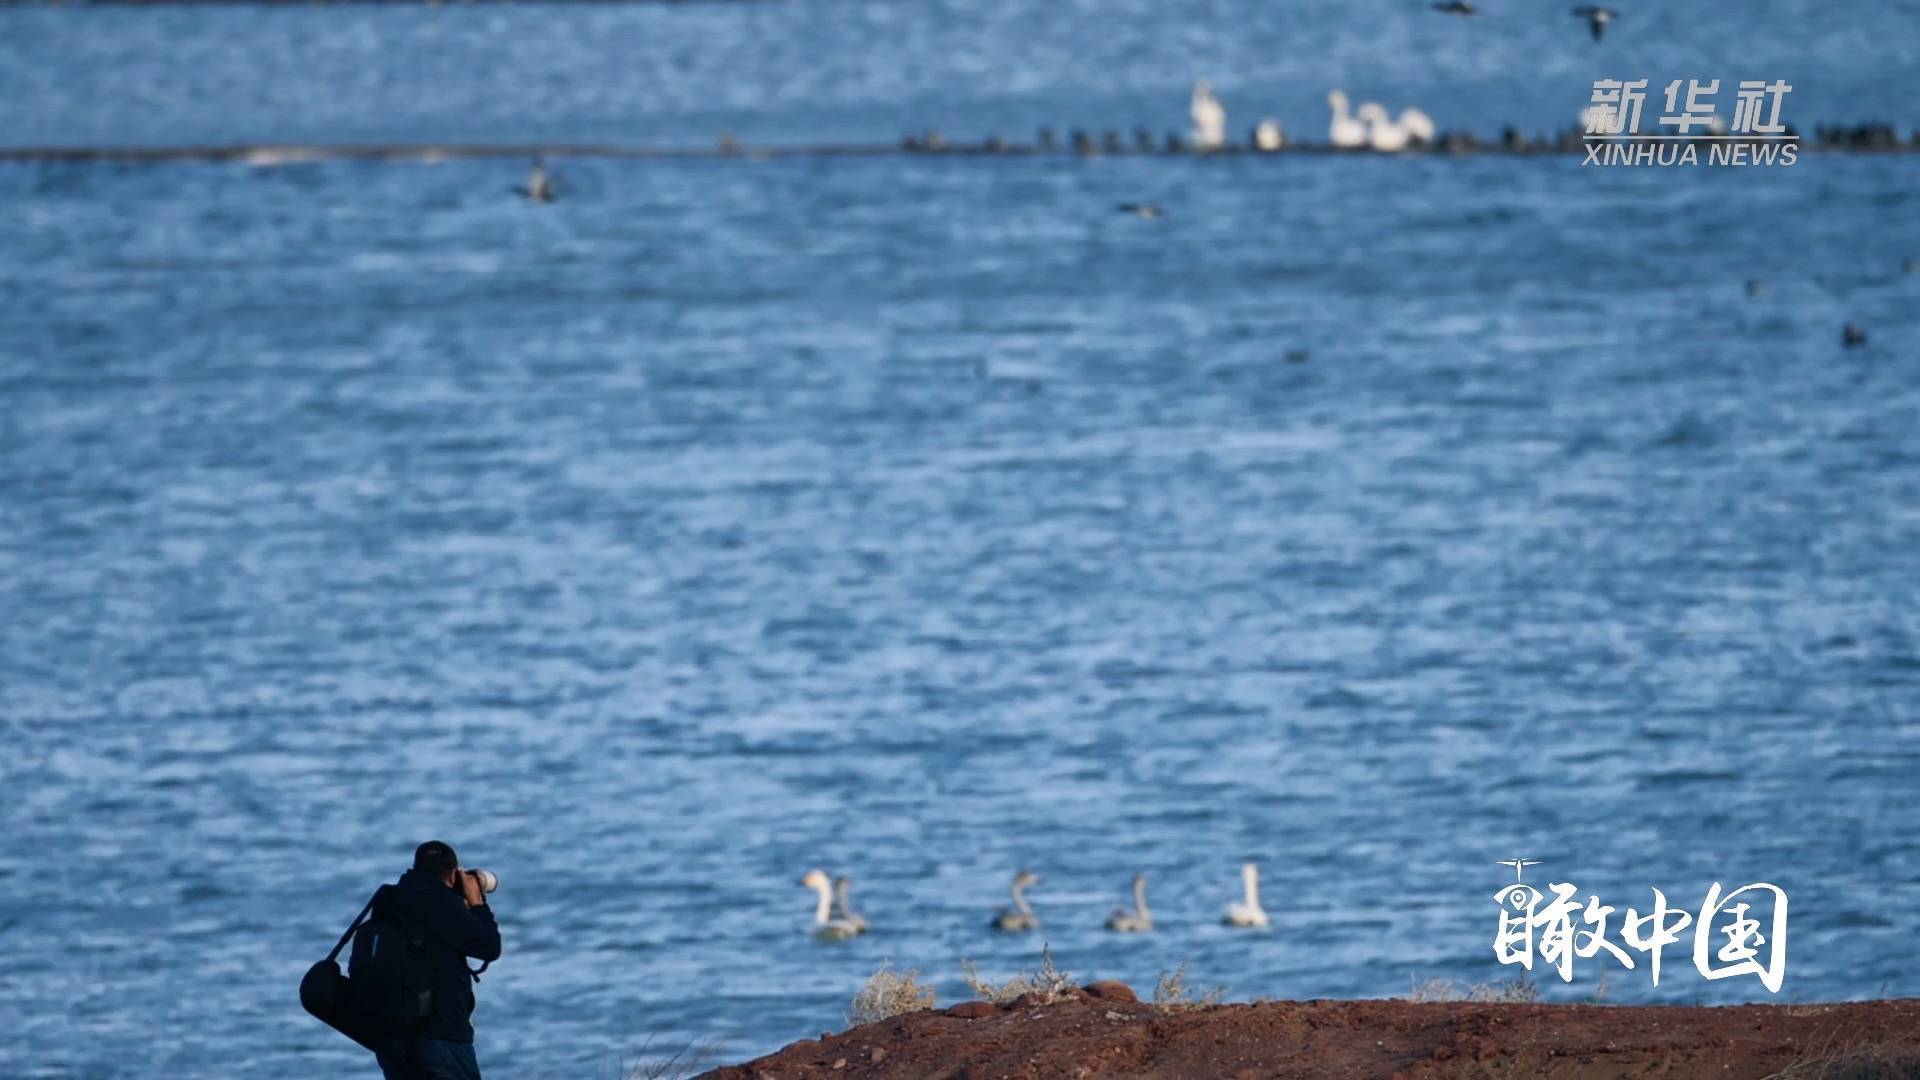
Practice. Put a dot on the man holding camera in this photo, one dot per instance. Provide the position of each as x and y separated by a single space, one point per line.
450 905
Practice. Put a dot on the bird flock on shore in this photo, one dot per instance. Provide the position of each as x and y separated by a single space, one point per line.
835 920
1369 127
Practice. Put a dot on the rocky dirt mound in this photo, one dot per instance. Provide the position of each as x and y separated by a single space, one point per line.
1103 1030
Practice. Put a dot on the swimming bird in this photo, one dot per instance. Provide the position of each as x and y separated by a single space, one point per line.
1382 133
1418 126
825 926
1209 118
1852 336
539 188
1344 132
1144 210
1137 921
1018 918
1456 7
1248 912
1755 287
1268 135
1911 266
1597 18
843 908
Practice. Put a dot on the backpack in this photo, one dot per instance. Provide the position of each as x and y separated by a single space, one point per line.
390 970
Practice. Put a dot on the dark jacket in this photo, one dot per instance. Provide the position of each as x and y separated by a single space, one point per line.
458 932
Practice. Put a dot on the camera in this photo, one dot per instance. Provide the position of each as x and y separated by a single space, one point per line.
486 879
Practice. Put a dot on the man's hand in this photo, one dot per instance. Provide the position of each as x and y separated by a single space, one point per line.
470 885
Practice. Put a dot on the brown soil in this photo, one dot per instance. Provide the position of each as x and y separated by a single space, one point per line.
1102 1031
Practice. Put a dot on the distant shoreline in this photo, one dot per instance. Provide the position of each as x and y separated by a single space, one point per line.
294 153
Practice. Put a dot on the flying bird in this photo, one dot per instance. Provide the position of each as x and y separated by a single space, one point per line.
1456 7
539 188
1597 18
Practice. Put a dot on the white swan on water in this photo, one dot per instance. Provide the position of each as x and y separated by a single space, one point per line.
843 907
1209 118
1389 137
1019 917
1418 124
1248 911
825 926
1345 132
1137 921
1382 133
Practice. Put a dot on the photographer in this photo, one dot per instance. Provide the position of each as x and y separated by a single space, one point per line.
450 906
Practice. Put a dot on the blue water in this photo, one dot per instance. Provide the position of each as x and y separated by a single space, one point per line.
919 519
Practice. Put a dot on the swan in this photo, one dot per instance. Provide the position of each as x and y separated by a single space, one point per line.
1418 125
843 908
1248 911
1019 917
1137 921
825 926
539 188
1345 132
1382 133
1268 136
1209 118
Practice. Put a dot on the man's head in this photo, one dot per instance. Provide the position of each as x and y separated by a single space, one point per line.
438 859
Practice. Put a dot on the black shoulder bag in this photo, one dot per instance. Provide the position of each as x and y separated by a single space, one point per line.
325 992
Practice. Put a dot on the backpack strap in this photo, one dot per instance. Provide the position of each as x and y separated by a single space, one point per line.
357 920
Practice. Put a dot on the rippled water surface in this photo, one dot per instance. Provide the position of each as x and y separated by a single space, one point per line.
924 519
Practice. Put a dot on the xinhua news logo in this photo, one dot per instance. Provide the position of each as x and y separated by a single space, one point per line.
1691 121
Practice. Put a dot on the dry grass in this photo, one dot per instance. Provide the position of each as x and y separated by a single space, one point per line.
1852 1061
1171 994
1521 990
688 1061
1048 985
887 994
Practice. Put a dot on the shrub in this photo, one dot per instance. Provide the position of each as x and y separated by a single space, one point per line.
1518 991
1170 992
888 994
1048 985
